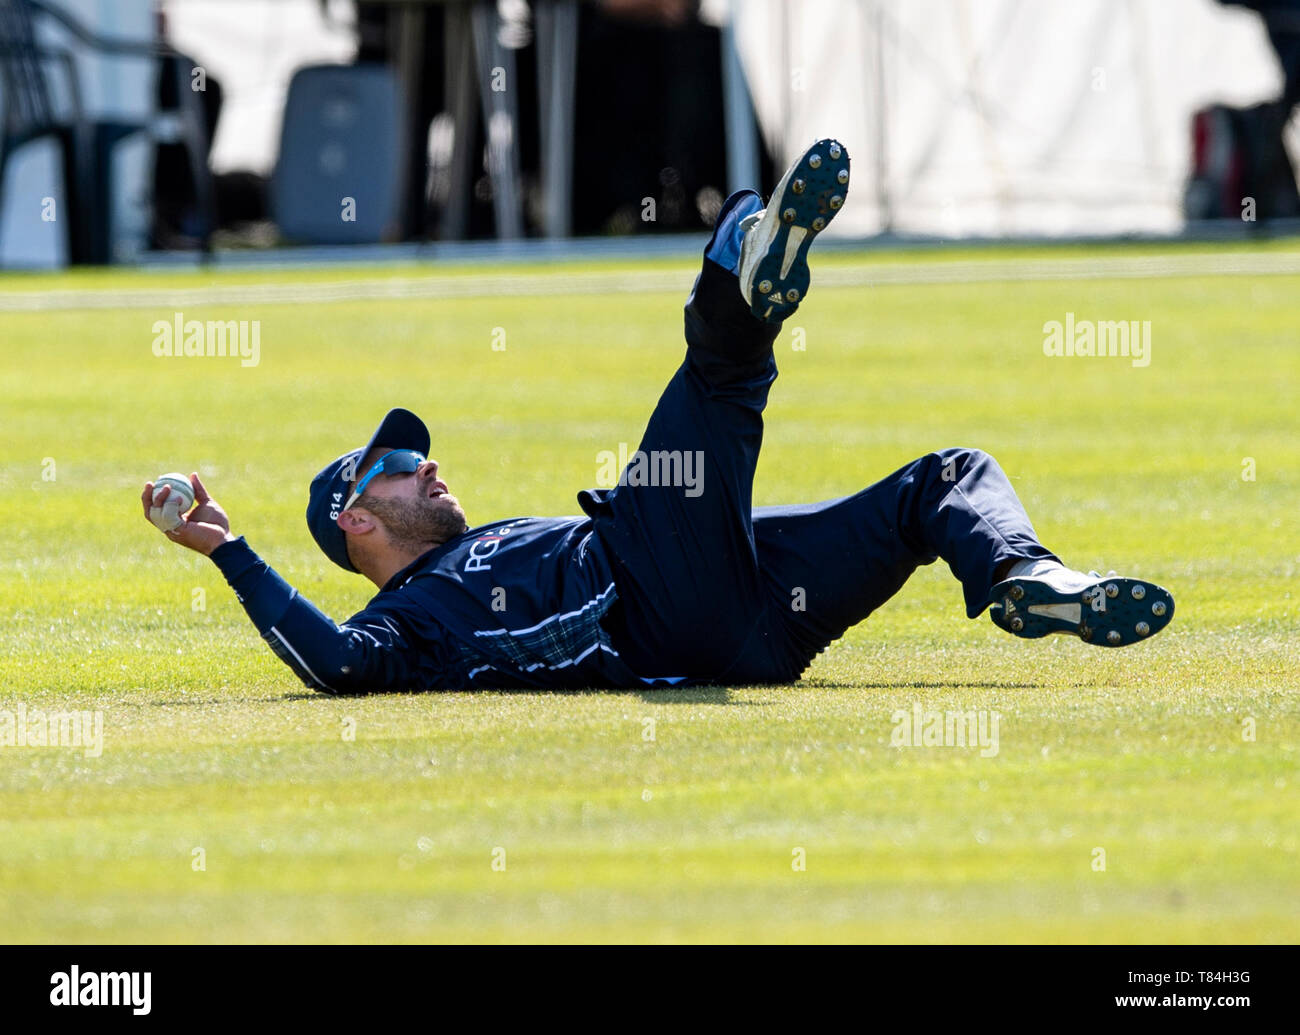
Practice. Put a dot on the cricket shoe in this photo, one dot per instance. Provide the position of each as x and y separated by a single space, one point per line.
774 253
1106 611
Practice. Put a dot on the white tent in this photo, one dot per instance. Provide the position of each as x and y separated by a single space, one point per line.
1002 117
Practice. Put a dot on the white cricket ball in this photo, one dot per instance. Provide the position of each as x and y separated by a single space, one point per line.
181 498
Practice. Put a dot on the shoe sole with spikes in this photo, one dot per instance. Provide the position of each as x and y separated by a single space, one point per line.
1112 612
774 256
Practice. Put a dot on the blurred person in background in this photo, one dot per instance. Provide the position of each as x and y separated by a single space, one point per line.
648 103
1266 172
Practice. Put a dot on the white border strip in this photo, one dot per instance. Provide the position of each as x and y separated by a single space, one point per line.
435 286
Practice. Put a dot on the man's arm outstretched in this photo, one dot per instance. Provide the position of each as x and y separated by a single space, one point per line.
372 651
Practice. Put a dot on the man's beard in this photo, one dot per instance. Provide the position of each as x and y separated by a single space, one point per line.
416 525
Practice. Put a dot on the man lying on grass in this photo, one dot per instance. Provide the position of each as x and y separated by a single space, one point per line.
672 577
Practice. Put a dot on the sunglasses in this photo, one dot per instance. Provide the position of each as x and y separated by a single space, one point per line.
399 461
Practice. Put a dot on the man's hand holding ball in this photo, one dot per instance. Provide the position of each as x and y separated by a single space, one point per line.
166 503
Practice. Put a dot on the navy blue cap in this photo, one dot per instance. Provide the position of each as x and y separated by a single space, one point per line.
330 489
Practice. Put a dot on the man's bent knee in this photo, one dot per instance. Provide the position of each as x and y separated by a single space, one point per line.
954 462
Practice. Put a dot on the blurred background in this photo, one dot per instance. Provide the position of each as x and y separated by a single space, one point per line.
142 131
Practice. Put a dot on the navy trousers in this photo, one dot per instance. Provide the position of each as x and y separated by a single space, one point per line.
710 587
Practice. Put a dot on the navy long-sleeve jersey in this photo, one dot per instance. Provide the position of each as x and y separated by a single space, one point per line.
514 603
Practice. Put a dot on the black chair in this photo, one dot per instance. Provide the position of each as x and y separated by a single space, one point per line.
29 114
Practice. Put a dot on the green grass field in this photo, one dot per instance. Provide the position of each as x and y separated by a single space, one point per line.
210 743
